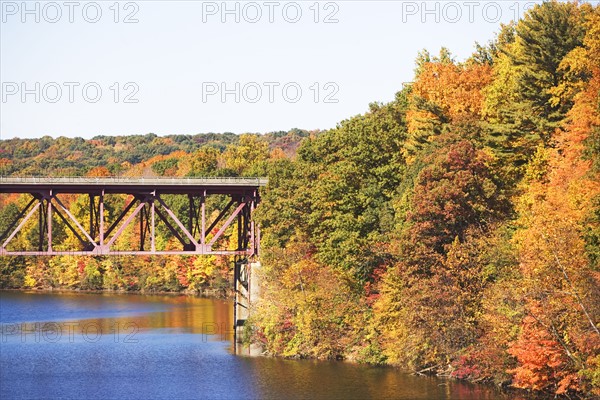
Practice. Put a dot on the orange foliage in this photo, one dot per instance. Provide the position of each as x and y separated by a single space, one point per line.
542 362
98 172
561 287
277 154
455 89
5 162
584 114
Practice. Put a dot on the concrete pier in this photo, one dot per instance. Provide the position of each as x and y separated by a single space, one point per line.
247 294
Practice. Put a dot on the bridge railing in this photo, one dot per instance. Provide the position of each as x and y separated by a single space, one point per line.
118 180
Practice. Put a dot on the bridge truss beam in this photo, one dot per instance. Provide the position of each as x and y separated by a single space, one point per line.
146 206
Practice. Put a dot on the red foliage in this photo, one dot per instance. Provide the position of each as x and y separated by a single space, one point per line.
542 362
80 266
467 367
371 287
453 193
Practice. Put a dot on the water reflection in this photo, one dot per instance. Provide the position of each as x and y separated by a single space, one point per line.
181 349
113 314
299 379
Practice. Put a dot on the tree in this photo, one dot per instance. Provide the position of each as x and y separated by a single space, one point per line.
519 109
444 95
455 192
203 162
251 150
99 172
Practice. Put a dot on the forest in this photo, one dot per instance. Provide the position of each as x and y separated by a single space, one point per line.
452 231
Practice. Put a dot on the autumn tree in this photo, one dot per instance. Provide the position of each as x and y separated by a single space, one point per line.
519 107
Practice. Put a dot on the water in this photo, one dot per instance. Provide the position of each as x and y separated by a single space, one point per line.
105 346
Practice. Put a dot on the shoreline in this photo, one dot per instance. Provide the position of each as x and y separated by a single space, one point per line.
208 293
214 294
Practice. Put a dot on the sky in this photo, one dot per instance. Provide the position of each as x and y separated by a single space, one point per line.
79 68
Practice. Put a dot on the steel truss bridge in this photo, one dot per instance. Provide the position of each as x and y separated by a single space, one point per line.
97 236
145 207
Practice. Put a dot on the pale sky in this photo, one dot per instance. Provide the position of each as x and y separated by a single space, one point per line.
186 67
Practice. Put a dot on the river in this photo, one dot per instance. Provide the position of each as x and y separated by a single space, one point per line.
108 346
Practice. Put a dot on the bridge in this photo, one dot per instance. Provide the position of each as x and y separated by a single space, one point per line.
146 205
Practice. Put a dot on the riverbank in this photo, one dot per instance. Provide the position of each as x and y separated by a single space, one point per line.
149 274
174 355
206 293
200 328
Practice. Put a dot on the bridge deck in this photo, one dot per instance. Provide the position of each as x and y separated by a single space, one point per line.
214 185
198 235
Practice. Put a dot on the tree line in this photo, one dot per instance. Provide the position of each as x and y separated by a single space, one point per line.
454 230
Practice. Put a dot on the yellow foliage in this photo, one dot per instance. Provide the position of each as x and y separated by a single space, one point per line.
29 281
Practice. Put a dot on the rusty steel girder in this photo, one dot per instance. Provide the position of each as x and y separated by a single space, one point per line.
146 206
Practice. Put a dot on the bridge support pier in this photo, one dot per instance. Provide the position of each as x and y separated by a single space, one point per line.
247 293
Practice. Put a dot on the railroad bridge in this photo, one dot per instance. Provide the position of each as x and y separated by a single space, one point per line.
146 206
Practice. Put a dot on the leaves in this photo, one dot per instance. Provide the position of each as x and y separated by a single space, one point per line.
454 230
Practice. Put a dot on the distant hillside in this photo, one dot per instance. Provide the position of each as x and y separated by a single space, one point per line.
64 156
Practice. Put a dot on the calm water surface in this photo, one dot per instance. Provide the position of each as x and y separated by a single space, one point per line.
105 346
